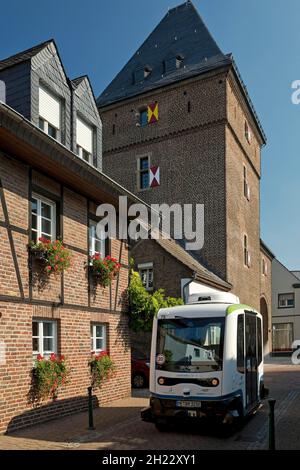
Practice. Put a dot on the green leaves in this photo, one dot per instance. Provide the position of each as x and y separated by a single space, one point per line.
48 376
101 368
143 305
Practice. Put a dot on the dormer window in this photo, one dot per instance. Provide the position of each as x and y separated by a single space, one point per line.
147 72
179 61
142 73
49 113
173 63
84 140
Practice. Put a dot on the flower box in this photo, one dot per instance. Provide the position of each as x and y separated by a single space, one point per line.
54 254
103 270
37 253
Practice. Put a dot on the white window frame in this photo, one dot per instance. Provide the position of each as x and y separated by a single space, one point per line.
45 128
41 337
94 239
286 300
94 337
52 204
139 171
80 147
147 267
46 123
80 151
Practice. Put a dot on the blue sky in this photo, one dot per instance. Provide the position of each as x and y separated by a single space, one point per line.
97 37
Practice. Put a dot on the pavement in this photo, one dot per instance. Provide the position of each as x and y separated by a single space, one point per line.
119 427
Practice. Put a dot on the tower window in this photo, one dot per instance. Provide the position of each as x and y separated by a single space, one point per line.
144 117
246 185
247 258
189 107
143 172
247 132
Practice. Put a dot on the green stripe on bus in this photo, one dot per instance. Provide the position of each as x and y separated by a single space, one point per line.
233 308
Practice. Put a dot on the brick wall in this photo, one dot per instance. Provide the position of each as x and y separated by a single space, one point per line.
68 299
242 215
167 271
187 143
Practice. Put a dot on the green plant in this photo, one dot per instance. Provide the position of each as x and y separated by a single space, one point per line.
102 367
143 305
105 269
56 257
48 376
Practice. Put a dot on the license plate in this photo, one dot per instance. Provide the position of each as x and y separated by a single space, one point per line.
188 404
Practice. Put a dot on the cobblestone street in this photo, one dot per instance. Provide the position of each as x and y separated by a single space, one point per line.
119 427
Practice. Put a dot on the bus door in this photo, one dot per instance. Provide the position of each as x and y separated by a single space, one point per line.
251 359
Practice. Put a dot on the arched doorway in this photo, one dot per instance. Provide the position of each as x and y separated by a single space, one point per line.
265 315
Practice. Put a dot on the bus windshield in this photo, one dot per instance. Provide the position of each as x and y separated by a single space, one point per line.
190 344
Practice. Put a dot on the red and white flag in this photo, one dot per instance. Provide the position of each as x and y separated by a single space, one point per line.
154 176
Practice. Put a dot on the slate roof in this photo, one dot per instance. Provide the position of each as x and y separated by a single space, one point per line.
76 81
202 274
180 32
24 55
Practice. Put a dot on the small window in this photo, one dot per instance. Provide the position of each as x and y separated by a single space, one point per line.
98 337
143 172
96 243
247 132
146 273
196 352
84 139
240 344
147 72
247 257
49 113
264 267
286 300
282 337
179 61
43 218
144 117
44 337
246 185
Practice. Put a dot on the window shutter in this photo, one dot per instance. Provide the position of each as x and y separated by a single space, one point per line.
49 107
84 134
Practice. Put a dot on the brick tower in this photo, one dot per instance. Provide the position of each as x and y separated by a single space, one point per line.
179 127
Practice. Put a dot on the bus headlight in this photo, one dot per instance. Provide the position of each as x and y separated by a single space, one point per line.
161 381
215 382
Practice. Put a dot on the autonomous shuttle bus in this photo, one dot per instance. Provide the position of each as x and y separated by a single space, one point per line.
206 361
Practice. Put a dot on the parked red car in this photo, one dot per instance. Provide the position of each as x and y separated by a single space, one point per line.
139 373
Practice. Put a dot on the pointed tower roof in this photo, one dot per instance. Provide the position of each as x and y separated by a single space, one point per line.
179 47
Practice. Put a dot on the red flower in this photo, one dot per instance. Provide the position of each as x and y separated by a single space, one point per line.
39 357
52 357
62 357
48 268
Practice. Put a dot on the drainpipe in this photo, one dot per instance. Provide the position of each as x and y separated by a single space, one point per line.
184 289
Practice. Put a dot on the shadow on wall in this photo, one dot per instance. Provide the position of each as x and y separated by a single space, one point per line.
50 411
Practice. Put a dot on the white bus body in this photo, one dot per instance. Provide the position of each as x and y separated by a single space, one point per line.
206 360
